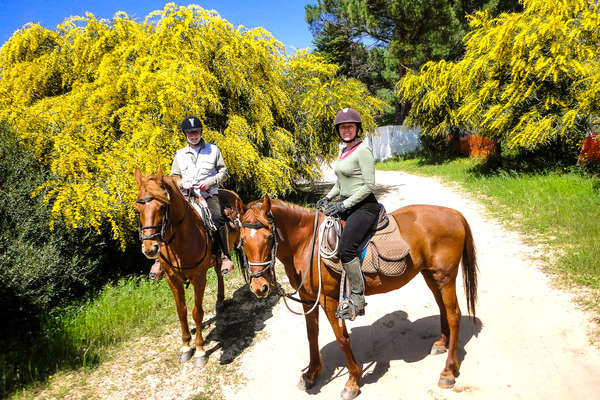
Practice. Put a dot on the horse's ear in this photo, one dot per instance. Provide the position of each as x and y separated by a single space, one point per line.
138 176
159 174
266 204
240 207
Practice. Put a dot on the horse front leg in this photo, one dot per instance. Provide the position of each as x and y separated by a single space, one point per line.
308 379
200 357
453 312
351 389
176 287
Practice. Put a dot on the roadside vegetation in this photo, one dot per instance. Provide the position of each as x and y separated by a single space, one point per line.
557 206
75 340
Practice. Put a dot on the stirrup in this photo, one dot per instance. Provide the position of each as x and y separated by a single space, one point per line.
348 310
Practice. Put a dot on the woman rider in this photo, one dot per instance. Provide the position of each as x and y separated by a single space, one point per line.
355 171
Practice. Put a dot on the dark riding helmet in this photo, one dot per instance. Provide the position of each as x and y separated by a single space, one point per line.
348 115
190 124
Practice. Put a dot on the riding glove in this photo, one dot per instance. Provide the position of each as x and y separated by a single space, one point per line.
322 202
335 208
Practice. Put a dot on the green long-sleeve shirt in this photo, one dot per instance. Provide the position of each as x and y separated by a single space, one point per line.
355 176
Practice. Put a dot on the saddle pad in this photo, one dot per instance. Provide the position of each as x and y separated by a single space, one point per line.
386 253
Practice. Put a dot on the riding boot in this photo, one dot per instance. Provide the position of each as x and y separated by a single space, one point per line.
222 242
350 308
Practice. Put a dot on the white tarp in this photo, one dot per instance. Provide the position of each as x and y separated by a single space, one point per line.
393 140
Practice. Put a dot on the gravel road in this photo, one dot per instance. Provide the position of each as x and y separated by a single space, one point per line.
531 340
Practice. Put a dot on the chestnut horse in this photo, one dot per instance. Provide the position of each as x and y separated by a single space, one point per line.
439 238
172 231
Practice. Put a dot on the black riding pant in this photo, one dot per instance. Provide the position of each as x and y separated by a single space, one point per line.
215 211
360 220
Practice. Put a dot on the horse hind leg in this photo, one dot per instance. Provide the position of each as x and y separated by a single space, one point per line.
220 304
452 366
440 346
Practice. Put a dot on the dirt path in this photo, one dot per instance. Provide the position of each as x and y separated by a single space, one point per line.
531 342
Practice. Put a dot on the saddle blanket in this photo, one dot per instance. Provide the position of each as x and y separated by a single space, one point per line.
385 253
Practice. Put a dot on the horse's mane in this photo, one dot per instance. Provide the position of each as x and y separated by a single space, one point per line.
294 210
155 188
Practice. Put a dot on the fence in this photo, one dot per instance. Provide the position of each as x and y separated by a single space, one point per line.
392 140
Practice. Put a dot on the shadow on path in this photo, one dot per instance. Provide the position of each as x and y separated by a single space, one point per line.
382 190
235 327
392 337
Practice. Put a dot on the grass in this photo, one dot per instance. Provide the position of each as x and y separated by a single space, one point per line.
557 208
81 335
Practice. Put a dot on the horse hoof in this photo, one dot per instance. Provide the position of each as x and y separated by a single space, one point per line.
349 394
446 383
304 384
435 350
186 355
200 362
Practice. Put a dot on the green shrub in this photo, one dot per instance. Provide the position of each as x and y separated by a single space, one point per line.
40 268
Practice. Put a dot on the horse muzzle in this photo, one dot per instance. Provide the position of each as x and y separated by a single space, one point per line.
260 287
151 250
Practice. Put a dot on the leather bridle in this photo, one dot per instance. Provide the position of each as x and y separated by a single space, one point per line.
159 236
270 264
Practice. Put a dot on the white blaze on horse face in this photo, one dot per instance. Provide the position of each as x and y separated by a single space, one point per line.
252 232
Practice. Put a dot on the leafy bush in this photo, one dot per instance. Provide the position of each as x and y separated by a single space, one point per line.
41 268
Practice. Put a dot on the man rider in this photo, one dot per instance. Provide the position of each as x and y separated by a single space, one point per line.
202 169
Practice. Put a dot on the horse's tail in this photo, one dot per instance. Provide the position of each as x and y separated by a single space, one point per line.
469 269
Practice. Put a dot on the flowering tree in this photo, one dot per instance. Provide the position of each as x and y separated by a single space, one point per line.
97 98
525 78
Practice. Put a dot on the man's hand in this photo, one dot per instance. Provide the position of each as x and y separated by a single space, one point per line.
187 185
203 186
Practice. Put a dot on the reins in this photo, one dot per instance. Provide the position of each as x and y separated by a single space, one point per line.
309 267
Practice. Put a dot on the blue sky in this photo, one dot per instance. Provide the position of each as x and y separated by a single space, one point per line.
284 19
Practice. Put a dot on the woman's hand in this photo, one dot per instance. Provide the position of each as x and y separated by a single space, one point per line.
322 202
335 208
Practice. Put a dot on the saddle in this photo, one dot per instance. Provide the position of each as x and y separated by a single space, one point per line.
384 249
229 208
199 205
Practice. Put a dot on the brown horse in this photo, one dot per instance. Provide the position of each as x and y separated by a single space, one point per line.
438 237
172 231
